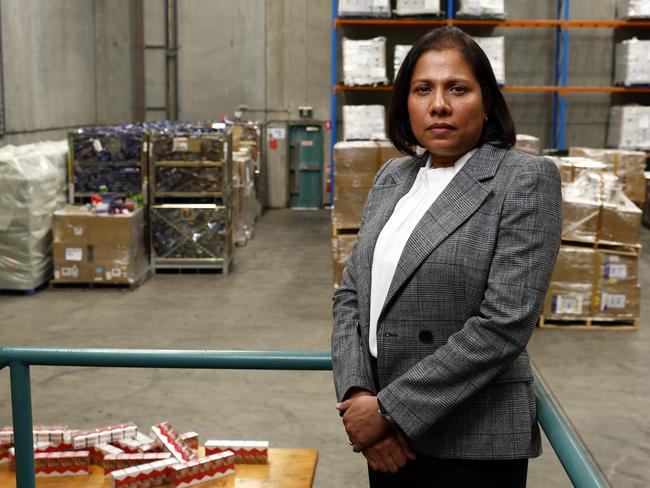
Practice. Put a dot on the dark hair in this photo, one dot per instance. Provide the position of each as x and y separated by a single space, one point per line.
499 130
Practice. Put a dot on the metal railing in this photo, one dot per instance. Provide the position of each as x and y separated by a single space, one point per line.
574 456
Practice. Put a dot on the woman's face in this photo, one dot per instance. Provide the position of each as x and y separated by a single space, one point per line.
445 105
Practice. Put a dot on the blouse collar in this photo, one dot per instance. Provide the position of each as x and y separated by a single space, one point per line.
460 162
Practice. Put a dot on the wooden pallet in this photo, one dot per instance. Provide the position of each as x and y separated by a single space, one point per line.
588 323
339 231
609 246
123 286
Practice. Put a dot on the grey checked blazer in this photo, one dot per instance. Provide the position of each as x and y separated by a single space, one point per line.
451 338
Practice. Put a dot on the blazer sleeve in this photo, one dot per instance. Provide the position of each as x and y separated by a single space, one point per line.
348 363
528 241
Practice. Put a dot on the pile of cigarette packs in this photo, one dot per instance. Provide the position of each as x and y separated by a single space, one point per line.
132 459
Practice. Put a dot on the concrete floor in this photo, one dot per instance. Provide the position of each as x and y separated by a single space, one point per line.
278 298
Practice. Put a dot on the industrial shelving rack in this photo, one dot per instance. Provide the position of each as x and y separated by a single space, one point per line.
560 89
190 193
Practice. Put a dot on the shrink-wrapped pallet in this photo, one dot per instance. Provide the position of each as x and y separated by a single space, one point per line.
494 48
245 206
417 7
493 9
528 144
596 209
633 9
341 248
401 50
32 187
364 61
632 65
364 122
572 167
362 8
628 165
629 127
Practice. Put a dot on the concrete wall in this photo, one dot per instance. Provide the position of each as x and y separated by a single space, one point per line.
66 64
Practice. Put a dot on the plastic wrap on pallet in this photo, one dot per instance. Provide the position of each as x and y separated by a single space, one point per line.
528 144
572 167
181 179
629 127
401 50
494 48
31 189
188 144
633 9
632 66
493 9
364 61
629 166
418 7
363 8
245 206
364 122
355 157
596 209
189 231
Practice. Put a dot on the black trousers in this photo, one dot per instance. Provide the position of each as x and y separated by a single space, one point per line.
429 472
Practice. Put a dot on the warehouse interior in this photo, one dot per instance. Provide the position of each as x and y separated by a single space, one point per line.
252 78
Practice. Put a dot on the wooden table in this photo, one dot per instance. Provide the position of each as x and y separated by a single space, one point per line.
287 468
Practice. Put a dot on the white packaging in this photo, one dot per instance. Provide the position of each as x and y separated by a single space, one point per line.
633 9
418 7
482 8
364 122
495 50
364 62
629 127
632 62
370 8
401 50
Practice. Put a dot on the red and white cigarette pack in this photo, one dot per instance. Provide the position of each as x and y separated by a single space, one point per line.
54 434
114 462
246 452
136 444
62 463
104 435
205 469
173 442
4 454
99 451
192 440
144 475
7 436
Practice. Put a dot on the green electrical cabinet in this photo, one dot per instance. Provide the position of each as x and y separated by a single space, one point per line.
306 165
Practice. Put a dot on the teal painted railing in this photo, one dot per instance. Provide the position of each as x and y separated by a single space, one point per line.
574 456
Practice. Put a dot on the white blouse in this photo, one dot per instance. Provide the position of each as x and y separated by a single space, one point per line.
427 187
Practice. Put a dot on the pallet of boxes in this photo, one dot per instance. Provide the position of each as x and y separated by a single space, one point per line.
355 165
595 281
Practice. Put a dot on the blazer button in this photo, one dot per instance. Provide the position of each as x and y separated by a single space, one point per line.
426 336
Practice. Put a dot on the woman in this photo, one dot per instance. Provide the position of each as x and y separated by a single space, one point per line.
445 284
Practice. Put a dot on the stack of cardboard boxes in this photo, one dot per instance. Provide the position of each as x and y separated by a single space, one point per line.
595 281
355 165
105 249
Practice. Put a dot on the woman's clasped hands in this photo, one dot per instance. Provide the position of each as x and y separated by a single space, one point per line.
372 434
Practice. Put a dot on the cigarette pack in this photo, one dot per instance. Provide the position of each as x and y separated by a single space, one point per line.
102 435
173 442
114 462
99 451
204 469
192 440
143 475
62 463
246 452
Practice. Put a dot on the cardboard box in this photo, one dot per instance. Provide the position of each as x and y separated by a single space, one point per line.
617 302
568 300
70 225
386 152
575 265
341 248
355 157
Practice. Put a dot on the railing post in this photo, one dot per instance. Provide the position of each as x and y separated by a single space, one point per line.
21 410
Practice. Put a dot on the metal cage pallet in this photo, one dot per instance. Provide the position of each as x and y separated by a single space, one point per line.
593 323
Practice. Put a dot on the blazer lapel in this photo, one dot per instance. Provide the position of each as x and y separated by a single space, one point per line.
459 200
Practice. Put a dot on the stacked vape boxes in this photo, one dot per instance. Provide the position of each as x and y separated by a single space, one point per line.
629 127
364 62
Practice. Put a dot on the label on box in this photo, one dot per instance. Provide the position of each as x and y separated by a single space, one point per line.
306 143
615 271
97 145
116 272
567 304
78 230
108 275
73 254
57 274
180 144
612 300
